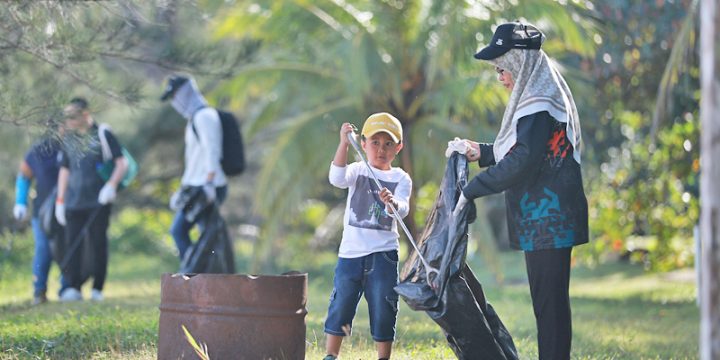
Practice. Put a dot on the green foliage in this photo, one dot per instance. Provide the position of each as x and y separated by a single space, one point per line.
131 232
634 46
294 70
644 134
425 200
652 195
116 54
16 249
347 60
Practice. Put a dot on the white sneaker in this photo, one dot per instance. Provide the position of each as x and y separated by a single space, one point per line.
96 295
70 294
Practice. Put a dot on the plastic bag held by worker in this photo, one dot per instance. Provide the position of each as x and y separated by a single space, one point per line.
213 252
457 302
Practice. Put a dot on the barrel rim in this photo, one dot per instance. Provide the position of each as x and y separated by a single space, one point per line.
236 276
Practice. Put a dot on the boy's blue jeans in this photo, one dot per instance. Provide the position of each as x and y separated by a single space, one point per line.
42 260
375 275
180 228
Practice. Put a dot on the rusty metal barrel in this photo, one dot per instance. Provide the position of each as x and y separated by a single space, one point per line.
237 316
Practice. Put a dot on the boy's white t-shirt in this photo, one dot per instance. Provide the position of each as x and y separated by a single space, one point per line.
368 227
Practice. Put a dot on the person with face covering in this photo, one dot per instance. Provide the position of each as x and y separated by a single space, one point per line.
535 161
203 152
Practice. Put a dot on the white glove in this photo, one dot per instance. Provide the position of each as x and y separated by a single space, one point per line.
19 211
107 194
60 213
210 193
174 201
462 200
459 145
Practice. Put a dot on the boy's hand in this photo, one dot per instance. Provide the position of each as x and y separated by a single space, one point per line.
387 198
345 129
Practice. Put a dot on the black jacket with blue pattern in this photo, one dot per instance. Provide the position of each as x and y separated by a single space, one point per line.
544 197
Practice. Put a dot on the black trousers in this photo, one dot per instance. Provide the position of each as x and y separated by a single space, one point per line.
97 234
549 277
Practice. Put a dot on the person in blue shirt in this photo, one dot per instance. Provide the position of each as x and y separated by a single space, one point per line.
41 164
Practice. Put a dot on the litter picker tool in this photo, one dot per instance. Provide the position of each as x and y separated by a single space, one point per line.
79 239
428 269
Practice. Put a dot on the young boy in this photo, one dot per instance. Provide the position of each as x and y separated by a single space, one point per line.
368 255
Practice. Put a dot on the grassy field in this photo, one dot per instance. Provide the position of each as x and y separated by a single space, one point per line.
619 312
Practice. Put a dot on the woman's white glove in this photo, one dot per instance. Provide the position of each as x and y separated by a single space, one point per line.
462 200
463 147
107 194
60 213
457 144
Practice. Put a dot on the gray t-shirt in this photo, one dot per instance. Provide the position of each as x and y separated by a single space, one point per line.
82 155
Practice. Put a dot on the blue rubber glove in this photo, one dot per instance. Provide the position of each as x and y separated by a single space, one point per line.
22 187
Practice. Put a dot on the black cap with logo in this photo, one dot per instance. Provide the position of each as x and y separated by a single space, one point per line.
173 84
509 36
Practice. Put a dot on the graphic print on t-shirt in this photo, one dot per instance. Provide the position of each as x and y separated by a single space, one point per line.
558 147
367 211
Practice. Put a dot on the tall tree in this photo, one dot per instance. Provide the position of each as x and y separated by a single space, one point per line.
328 62
646 133
710 182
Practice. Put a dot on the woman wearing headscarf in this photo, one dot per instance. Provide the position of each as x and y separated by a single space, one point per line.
535 161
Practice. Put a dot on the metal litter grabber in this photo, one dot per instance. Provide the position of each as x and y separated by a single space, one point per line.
428 269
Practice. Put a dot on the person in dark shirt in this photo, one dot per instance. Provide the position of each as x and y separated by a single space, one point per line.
40 163
84 198
535 161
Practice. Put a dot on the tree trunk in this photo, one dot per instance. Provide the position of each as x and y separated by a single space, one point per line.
710 181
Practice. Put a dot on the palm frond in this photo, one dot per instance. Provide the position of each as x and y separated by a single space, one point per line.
676 65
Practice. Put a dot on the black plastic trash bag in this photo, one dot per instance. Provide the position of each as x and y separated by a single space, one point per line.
193 202
54 232
213 252
61 249
471 326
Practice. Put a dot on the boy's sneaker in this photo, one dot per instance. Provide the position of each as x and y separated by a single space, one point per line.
70 294
39 299
96 295
330 357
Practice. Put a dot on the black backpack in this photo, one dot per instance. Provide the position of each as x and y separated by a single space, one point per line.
233 151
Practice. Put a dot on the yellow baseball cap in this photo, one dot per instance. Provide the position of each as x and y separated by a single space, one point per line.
384 122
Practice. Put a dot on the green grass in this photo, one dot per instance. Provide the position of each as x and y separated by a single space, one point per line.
619 312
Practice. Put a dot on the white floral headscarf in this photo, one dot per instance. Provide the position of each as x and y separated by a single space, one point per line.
538 87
